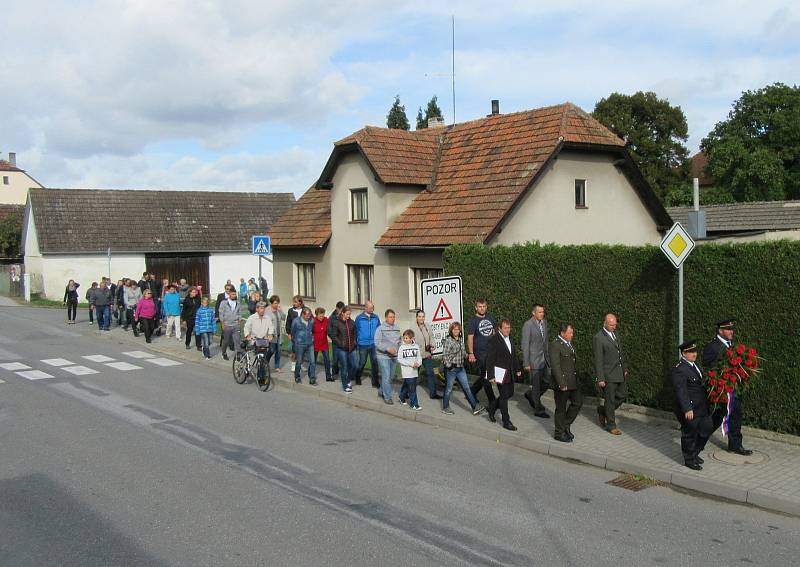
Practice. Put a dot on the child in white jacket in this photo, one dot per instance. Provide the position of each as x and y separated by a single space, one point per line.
410 359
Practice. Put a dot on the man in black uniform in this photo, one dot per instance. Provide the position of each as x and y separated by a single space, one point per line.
711 354
691 407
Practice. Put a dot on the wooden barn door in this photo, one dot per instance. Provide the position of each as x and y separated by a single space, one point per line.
193 267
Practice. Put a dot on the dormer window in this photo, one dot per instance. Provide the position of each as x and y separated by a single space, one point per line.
358 205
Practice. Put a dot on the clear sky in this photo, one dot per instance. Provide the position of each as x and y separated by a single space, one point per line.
240 96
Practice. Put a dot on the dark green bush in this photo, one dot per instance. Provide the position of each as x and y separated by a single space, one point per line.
756 283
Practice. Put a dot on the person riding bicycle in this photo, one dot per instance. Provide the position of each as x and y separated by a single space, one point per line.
259 329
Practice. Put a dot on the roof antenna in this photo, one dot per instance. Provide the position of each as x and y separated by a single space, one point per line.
453 34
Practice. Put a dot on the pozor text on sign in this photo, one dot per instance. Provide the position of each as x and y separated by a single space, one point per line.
441 302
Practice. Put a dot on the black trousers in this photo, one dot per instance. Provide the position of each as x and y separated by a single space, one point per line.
479 367
539 384
613 395
694 435
734 423
564 416
506 391
91 314
72 309
147 326
190 332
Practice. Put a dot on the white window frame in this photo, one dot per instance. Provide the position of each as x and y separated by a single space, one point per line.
302 271
578 204
359 206
416 275
364 277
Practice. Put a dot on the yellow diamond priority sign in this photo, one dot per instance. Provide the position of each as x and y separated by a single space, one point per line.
677 245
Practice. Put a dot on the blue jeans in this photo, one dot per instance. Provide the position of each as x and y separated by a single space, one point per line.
363 353
427 364
274 350
459 374
347 366
409 390
305 351
326 361
103 316
387 366
206 339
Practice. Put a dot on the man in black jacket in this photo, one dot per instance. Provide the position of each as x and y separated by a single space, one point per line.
502 367
691 407
711 355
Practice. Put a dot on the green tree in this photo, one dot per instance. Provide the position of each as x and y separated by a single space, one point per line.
430 111
654 132
397 116
10 235
682 196
755 153
421 122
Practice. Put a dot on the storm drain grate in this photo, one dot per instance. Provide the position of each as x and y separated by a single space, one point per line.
634 482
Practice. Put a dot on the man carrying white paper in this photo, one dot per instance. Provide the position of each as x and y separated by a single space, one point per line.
503 361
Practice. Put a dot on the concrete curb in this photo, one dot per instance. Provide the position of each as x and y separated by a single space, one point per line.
685 480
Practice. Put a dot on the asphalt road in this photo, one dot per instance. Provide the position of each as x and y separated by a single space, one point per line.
178 465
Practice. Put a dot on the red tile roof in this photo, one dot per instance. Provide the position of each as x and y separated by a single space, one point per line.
5 166
307 224
697 167
484 168
397 156
473 172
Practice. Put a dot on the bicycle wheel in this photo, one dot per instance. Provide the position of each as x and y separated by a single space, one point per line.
262 369
240 368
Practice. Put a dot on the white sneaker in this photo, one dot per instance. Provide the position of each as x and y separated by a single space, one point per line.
293 366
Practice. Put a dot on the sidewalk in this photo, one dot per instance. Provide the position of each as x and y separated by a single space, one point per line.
650 446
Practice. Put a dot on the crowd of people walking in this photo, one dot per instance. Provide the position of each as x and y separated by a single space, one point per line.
346 345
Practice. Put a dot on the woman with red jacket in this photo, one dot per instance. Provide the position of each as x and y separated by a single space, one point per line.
146 314
321 341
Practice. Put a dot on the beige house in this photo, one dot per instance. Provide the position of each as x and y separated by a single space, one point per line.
14 182
389 202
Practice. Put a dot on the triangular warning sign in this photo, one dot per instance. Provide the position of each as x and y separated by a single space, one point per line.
261 248
442 312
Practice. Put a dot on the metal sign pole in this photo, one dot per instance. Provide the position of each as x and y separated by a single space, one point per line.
259 270
680 304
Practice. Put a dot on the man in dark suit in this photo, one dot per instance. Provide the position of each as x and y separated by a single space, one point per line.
610 373
501 364
711 355
535 358
563 363
691 407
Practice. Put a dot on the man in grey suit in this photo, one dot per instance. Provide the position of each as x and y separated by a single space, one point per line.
536 359
610 372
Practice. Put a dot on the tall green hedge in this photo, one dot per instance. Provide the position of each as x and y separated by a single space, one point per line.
756 283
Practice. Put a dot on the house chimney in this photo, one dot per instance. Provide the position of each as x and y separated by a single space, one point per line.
436 122
495 106
12 158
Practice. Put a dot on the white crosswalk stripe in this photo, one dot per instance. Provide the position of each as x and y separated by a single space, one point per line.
14 366
34 374
138 354
163 361
99 358
124 366
2 381
79 370
57 362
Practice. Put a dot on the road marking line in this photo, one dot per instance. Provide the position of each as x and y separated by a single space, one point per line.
14 366
57 362
138 354
79 370
2 381
99 358
34 375
124 366
163 361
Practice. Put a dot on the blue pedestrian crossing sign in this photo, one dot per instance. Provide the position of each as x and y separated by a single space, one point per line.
261 245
